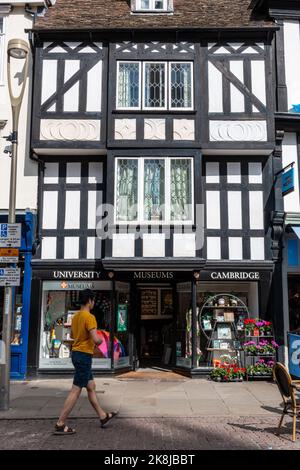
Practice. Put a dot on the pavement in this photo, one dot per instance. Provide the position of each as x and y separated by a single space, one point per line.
156 411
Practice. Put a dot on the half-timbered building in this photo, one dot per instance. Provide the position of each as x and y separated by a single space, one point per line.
286 14
163 110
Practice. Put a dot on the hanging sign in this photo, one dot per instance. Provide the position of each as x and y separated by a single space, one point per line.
10 277
9 255
288 181
122 318
10 235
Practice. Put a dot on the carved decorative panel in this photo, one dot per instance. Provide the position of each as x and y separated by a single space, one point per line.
184 129
155 129
70 130
125 129
238 131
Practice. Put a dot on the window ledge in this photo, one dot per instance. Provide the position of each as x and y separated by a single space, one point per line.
154 111
151 12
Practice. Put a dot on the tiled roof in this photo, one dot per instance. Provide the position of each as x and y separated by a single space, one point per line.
113 14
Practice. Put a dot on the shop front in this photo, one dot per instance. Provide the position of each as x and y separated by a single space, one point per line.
57 299
149 317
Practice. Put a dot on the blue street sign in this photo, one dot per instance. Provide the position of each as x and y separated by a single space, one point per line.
288 181
294 354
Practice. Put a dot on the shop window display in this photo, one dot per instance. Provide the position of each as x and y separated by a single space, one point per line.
60 302
121 340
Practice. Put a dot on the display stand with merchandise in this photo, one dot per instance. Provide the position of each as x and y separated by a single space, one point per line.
260 349
221 319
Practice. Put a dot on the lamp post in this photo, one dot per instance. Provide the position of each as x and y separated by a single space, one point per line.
17 49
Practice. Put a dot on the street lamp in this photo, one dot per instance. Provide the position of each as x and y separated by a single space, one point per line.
17 49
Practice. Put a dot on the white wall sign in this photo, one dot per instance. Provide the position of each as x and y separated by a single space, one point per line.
10 235
2 353
10 277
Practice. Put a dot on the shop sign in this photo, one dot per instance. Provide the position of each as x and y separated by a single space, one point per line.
77 275
9 255
122 318
10 277
231 275
10 235
294 354
142 275
287 181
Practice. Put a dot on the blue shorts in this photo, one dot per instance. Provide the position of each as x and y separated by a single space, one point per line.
83 368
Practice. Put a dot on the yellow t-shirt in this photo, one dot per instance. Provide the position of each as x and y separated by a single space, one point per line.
82 323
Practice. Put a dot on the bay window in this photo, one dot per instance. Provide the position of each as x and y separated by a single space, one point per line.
155 85
154 190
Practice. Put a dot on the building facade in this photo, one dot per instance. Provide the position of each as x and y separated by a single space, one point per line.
165 112
287 17
15 17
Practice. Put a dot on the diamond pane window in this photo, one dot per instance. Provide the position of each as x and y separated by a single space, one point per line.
181 85
181 189
154 189
154 85
128 85
127 190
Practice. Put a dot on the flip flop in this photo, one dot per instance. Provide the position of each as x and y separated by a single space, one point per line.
108 418
63 430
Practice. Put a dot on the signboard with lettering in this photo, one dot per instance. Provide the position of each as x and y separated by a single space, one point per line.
225 275
10 235
9 255
294 354
122 318
10 277
288 181
148 275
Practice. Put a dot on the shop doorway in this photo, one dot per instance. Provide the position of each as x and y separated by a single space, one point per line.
155 311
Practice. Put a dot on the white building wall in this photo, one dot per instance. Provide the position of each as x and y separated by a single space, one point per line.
292 62
290 155
15 24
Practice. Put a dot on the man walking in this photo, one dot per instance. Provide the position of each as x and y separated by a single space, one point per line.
84 333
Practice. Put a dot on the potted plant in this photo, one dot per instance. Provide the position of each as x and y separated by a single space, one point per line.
251 348
249 325
267 328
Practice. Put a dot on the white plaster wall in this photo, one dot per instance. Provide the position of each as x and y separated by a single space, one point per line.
292 62
15 24
289 155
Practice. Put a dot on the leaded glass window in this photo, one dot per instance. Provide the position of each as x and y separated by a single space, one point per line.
181 189
127 190
154 189
157 79
154 85
129 85
181 85
150 190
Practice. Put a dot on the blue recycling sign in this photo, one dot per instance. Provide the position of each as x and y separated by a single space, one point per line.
294 354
